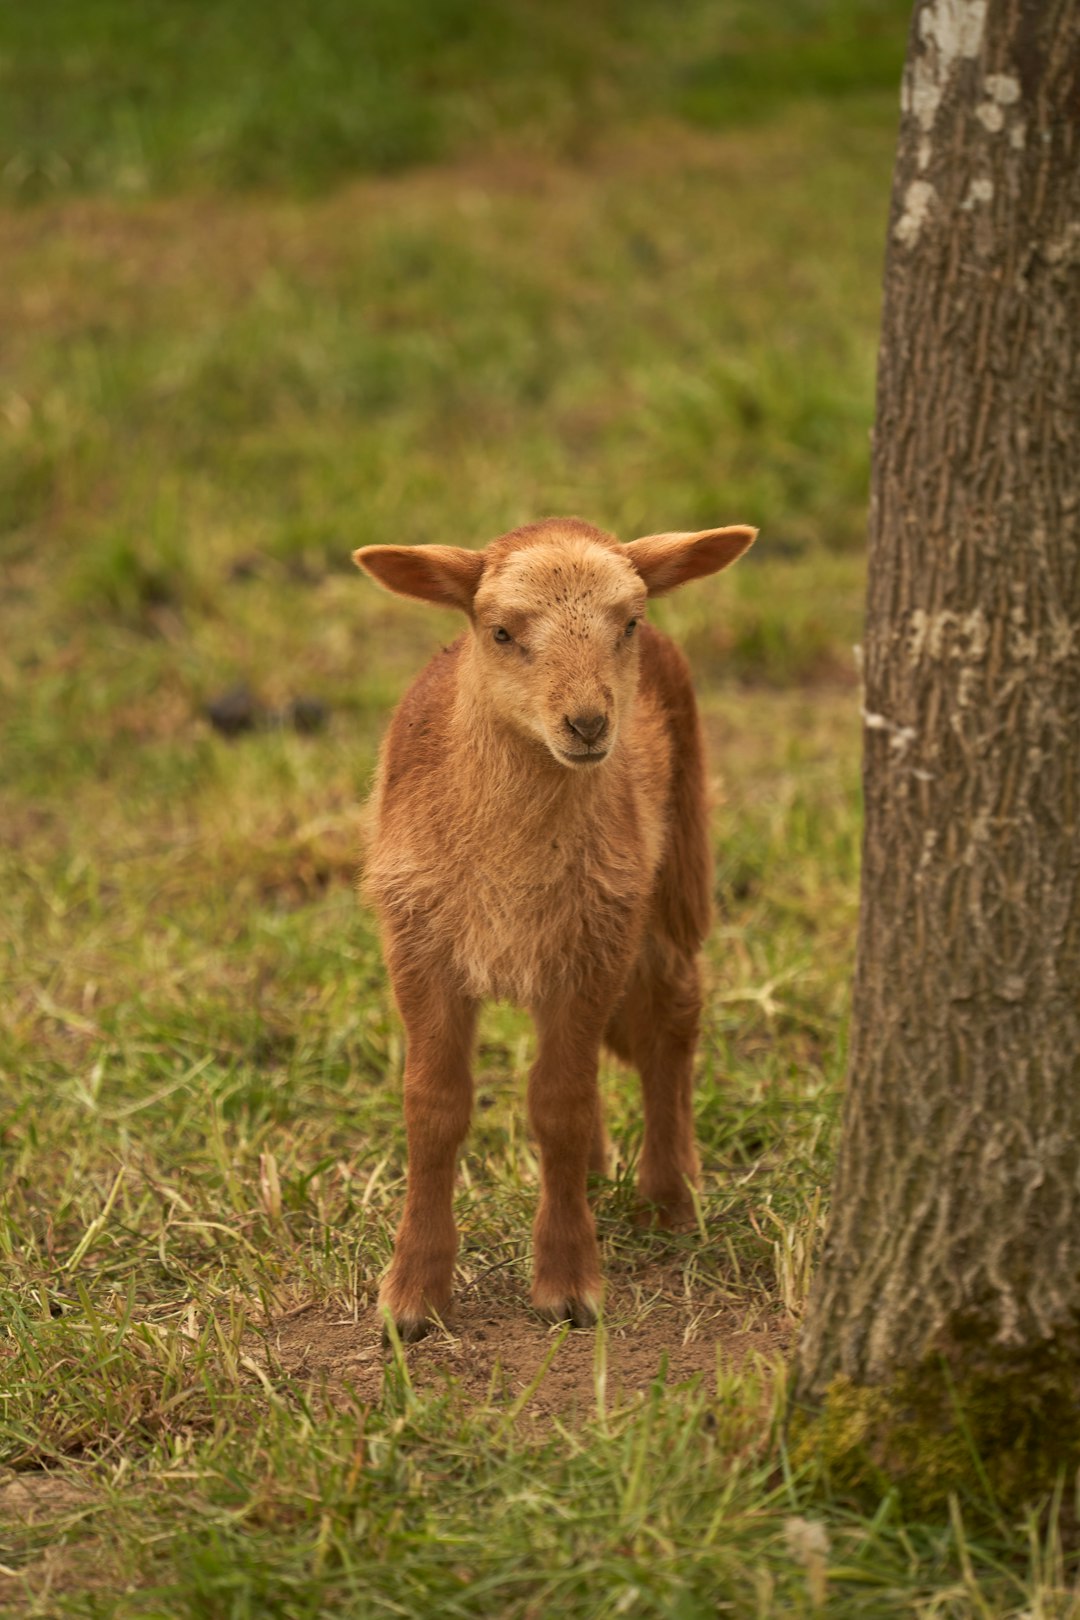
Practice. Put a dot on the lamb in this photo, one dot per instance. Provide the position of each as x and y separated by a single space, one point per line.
540 835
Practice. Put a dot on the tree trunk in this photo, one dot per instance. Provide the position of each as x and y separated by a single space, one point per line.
954 1240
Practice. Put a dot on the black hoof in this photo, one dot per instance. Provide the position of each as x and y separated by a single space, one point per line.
409 1330
579 1312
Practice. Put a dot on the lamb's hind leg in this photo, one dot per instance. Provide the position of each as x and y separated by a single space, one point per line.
655 1027
439 1027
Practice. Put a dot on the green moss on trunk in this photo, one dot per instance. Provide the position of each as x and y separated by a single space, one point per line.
1001 1430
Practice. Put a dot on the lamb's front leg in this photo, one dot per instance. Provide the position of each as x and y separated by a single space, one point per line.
564 1108
439 1027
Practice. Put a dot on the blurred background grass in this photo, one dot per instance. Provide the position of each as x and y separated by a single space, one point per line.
104 95
278 281
277 284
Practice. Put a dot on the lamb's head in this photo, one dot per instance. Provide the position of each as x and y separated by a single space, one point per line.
554 609
555 624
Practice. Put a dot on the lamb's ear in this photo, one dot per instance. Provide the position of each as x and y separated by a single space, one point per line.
446 575
667 560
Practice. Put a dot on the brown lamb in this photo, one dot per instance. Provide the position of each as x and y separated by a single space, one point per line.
540 835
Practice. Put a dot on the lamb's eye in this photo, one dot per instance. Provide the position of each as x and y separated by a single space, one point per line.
500 634
631 627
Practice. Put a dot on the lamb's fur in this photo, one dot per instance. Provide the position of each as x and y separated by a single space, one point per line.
540 835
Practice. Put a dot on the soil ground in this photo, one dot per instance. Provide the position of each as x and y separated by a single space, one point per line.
497 1343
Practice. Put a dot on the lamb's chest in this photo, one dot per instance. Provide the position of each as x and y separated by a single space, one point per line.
523 921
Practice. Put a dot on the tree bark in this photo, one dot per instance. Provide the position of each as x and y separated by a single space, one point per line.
955 1227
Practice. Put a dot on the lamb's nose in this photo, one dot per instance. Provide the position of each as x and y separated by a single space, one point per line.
589 727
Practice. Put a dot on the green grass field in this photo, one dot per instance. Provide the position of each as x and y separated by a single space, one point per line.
272 290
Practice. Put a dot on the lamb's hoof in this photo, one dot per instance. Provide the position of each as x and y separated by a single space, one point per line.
415 1312
409 1329
580 1310
673 1213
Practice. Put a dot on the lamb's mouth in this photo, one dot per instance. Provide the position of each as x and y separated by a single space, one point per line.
584 759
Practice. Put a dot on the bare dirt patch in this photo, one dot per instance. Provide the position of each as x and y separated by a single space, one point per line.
34 1506
497 1347
31 1497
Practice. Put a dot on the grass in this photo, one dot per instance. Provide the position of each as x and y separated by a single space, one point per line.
253 93
211 395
